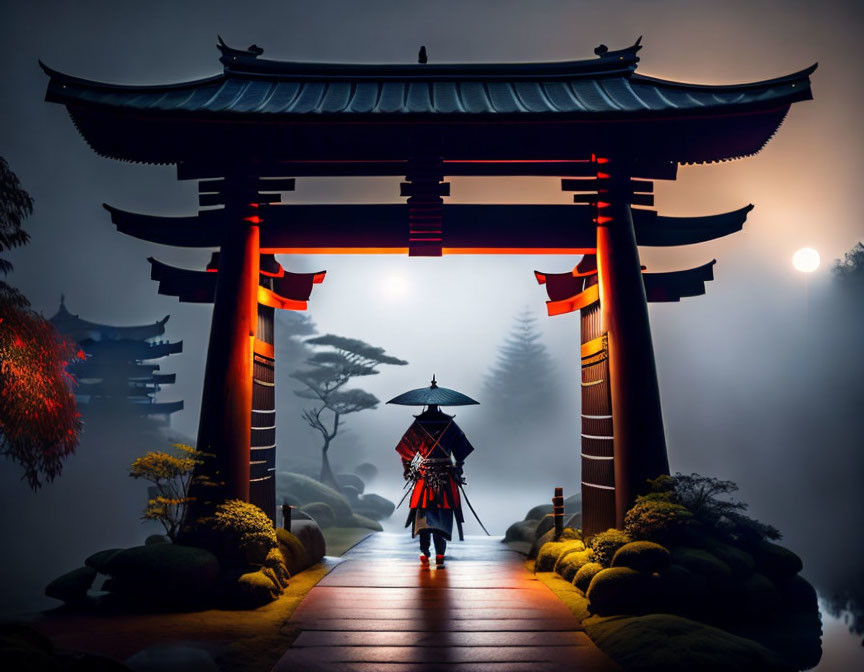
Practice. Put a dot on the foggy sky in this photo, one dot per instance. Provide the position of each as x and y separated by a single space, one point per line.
729 362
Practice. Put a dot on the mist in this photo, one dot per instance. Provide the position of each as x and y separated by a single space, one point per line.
761 383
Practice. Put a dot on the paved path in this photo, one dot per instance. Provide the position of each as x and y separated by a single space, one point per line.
378 611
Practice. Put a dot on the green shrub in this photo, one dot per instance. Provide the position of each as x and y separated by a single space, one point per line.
740 562
604 545
682 591
551 551
293 552
643 556
571 562
239 533
276 568
585 574
322 513
248 590
657 520
617 590
775 561
567 534
703 563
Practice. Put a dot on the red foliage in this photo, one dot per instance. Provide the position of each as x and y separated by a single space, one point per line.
39 419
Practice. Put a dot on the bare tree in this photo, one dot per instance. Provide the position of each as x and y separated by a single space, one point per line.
327 373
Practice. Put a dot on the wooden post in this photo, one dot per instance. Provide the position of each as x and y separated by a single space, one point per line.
558 512
637 419
286 516
226 404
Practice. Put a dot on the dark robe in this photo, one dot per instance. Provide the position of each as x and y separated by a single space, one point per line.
435 499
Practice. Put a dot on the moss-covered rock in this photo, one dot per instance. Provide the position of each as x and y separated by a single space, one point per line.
675 644
643 556
703 563
545 524
322 514
585 574
367 523
538 512
374 506
167 575
97 560
551 551
775 561
755 595
157 539
567 534
310 535
796 594
276 568
618 590
366 471
72 587
351 493
248 590
351 479
305 490
293 552
522 530
739 561
571 562
574 520
605 544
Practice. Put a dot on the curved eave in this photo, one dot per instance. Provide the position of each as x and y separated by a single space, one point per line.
201 230
676 285
663 231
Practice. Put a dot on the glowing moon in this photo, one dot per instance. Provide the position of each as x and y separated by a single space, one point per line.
394 287
806 260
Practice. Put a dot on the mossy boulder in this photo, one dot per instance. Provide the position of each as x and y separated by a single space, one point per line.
703 563
248 590
619 590
567 534
675 644
574 520
157 539
367 523
796 594
522 530
72 587
643 556
366 471
310 535
167 575
322 514
755 595
305 490
538 512
571 562
605 544
351 479
682 591
293 552
586 573
739 561
351 493
98 560
374 506
276 568
775 561
552 550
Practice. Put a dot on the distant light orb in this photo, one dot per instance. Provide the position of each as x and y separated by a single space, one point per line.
806 260
394 287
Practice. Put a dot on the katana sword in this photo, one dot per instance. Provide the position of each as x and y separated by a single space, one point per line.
468 502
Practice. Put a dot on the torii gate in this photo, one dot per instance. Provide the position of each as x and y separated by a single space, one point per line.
246 133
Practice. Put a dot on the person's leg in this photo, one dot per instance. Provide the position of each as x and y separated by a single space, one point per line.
424 541
440 546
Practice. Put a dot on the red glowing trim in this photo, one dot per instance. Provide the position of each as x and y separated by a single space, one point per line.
603 204
602 160
254 219
603 176
453 161
603 220
334 250
318 278
278 274
541 277
253 205
270 298
574 303
212 270
80 355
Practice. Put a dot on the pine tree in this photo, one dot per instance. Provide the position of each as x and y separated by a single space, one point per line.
523 379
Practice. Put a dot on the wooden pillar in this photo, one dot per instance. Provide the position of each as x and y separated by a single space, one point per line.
225 423
637 419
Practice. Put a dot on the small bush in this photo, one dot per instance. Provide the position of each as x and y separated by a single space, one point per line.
567 535
570 563
617 590
740 562
551 551
775 561
702 563
243 534
756 595
585 574
643 556
657 520
604 545
682 591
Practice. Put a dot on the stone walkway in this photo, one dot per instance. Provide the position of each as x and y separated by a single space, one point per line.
378 611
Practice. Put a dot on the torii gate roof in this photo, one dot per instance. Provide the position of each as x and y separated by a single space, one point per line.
486 111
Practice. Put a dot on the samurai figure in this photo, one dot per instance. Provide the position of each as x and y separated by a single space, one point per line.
433 451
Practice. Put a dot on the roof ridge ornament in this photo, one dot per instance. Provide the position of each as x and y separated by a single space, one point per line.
230 55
